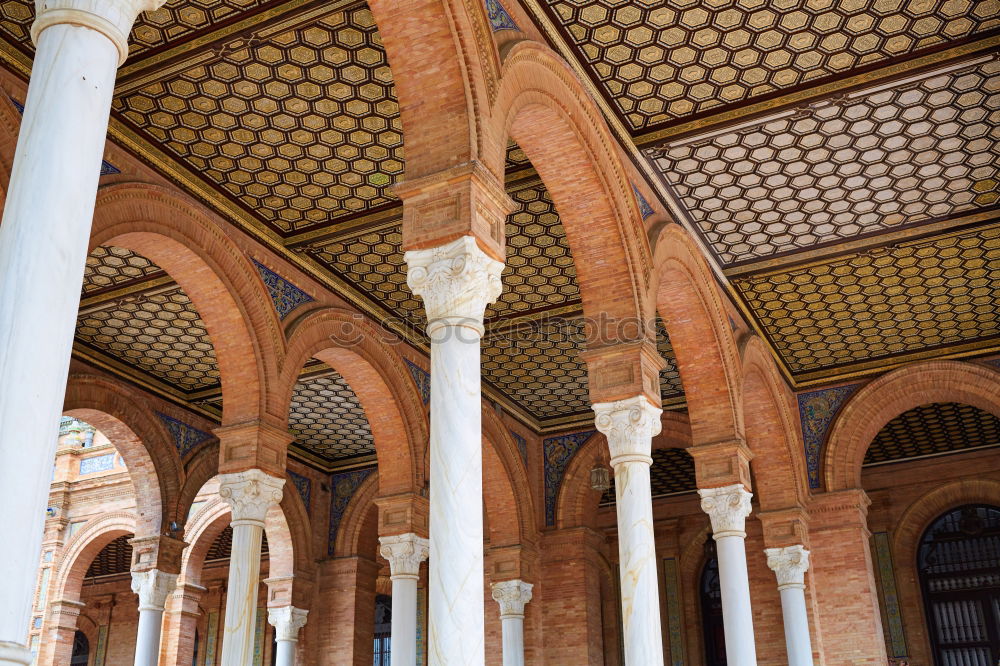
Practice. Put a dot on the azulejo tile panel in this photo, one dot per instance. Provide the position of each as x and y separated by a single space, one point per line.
285 295
557 452
658 61
96 464
303 484
343 485
499 18
884 302
327 419
890 598
817 409
422 378
186 438
851 165
934 429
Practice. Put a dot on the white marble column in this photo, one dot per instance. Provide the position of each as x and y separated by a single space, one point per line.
512 595
249 495
286 621
43 248
456 282
789 565
404 552
728 507
153 587
629 426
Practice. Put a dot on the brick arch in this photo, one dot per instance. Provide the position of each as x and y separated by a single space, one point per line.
772 431
445 69
905 544
543 106
199 470
184 239
358 350
10 124
692 563
357 534
694 312
83 548
507 494
206 526
879 401
576 503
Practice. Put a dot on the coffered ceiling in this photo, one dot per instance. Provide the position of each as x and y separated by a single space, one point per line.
932 430
837 159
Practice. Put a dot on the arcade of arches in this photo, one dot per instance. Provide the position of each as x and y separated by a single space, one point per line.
462 332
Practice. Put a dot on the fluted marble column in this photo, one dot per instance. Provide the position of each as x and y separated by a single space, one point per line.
286 621
512 595
789 564
249 495
456 282
728 507
629 426
153 587
404 552
43 248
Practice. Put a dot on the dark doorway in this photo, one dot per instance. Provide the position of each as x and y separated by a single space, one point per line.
711 610
383 629
81 650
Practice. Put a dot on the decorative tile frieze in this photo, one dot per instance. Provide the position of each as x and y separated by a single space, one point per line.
499 18
303 484
422 379
186 437
817 410
285 295
343 485
558 451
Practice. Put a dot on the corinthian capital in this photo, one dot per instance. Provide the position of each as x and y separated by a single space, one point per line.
404 552
250 494
512 595
630 426
456 281
728 507
111 18
789 564
287 621
153 587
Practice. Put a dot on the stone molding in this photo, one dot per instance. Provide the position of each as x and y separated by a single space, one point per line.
249 495
15 653
404 552
512 595
456 282
728 507
789 564
287 621
629 426
153 587
111 18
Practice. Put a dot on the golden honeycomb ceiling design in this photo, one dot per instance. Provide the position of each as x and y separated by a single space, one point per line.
865 163
115 558
327 419
658 61
891 301
301 127
132 312
672 473
934 429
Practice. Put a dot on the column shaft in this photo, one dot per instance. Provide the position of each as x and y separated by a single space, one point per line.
404 621
147 639
43 249
796 621
736 611
285 653
513 640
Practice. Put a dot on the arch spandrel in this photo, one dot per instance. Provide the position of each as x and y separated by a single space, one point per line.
84 546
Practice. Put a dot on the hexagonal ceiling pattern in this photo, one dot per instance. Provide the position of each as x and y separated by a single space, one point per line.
109 267
301 128
861 164
327 419
115 558
934 429
657 61
672 473
886 302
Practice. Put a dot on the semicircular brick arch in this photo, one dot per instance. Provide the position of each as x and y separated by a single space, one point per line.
84 546
506 489
152 461
357 350
182 238
772 431
879 401
694 314
545 109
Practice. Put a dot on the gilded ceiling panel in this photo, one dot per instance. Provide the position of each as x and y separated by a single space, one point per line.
884 302
933 429
671 473
855 165
658 61
327 419
302 128
109 267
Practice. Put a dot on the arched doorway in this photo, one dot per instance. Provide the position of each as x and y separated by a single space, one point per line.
81 650
959 566
711 609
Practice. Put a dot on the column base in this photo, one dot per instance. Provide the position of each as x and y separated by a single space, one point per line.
14 654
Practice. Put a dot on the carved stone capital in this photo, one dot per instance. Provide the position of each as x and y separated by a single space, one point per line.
111 18
404 552
630 426
456 282
250 494
728 507
153 587
789 564
287 621
512 595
